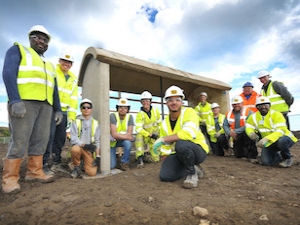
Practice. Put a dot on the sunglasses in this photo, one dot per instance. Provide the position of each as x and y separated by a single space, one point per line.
86 107
45 40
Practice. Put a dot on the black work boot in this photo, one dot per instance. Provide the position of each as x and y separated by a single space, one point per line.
140 163
76 172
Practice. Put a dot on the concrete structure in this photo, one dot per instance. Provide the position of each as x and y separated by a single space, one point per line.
102 71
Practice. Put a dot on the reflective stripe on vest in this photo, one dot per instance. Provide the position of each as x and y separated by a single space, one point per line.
243 116
121 126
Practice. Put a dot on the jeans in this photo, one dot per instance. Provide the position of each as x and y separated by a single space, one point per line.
176 166
126 144
57 140
270 156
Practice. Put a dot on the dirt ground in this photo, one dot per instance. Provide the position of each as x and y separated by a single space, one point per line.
234 191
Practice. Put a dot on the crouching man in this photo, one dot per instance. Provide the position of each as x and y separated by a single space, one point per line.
182 144
276 139
85 140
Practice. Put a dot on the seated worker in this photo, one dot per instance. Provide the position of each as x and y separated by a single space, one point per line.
234 126
218 139
182 144
121 128
147 129
85 141
276 140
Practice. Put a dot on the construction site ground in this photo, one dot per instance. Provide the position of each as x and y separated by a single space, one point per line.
234 191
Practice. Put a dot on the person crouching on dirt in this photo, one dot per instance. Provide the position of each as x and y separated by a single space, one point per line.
182 144
147 128
276 139
85 141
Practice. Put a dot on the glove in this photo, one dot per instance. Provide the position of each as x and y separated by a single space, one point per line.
218 134
203 123
112 139
154 136
89 147
262 142
253 136
58 117
96 162
18 109
157 144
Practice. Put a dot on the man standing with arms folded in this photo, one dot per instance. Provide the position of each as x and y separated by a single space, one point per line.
68 96
33 96
276 140
182 144
147 128
278 94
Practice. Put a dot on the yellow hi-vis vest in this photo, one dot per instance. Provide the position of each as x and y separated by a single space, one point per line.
210 126
277 102
186 128
145 125
68 92
35 77
272 127
121 126
203 111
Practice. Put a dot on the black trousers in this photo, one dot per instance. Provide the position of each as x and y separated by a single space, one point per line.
243 146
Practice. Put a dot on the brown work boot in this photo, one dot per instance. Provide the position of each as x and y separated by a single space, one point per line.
124 166
35 169
11 175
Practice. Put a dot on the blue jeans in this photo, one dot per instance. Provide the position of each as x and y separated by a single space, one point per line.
270 156
176 166
126 144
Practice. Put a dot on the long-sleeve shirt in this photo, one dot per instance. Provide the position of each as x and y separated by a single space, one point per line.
84 135
10 75
237 127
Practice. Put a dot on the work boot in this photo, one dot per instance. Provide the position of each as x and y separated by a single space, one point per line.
47 170
35 169
76 172
199 171
124 166
227 152
140 163
57 167
11 175
286 163
191 181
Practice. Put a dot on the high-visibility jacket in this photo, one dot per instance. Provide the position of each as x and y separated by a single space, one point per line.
36 76
210 126
243 116
68 92
272 127
277 102
203 111
121 126
250 102
145 125
186 128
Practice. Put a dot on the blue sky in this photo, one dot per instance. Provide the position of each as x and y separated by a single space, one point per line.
228 40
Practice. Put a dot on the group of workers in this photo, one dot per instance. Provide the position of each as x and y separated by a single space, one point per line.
43 101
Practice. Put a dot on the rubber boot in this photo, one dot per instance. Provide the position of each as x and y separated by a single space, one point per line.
35 169
11 175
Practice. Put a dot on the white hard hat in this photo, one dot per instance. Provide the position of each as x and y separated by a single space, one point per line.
123 102
67 55
237 99
86 100
146 95
203 93
174 91
263 73
39 28
262 100
215 105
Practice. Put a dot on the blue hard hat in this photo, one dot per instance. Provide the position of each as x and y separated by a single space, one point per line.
248 84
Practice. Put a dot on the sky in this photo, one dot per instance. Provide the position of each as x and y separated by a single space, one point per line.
227 40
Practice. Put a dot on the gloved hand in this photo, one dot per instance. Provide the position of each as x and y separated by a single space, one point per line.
157 144
262 142
154 136
218 134
58 117
203 123
89 147
112 139
96 162
253 136
18 109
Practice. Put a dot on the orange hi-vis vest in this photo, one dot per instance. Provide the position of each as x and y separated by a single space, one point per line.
250 103
243 115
